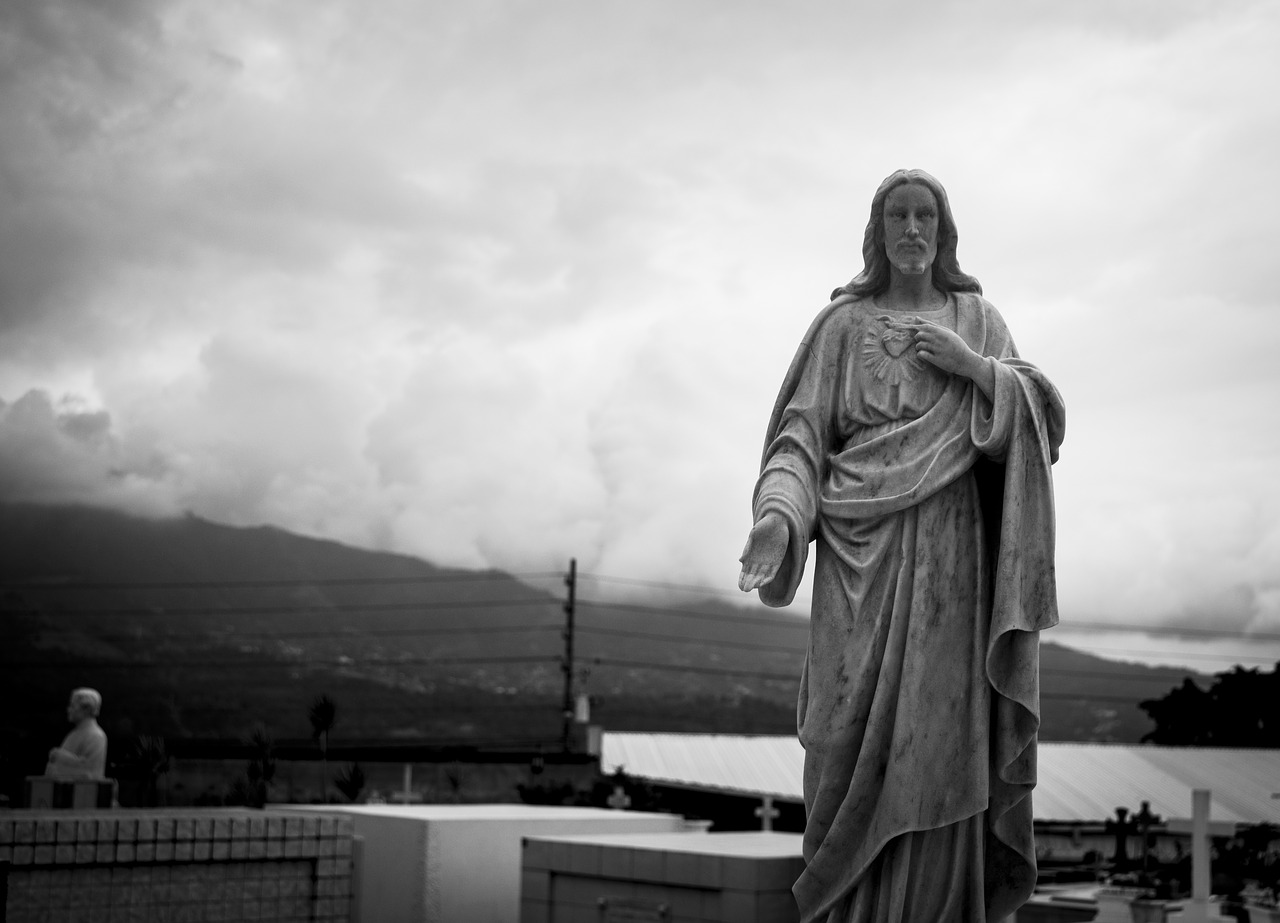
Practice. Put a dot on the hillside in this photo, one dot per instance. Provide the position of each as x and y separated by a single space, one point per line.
192 629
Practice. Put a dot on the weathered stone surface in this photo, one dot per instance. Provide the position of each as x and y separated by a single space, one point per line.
912 447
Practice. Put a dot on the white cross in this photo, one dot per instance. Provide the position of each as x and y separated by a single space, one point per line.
767 812
1198 910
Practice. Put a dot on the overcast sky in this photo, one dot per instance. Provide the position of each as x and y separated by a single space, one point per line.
502 283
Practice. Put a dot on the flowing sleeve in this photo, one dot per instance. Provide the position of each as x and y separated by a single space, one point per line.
797 445
1019 384
1021 429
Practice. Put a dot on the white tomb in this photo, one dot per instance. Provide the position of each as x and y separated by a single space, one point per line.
442 863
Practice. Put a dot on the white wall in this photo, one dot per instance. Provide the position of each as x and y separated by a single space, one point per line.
453 863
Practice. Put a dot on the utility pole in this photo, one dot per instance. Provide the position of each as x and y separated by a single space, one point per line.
571 581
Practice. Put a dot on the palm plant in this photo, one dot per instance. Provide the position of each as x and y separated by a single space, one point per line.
253 787
351 782
322 714
153 759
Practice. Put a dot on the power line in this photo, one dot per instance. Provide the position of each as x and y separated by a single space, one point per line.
694 614
718 642
471 577
1105 674
686 587
687 668
760 674
483 576
1193 655
347 635
1152 630
1077 697
1054 696
410 607
798 623
396 632
252 663
603 660
1071 624
800 652
503 630
599 605
294 610
804 624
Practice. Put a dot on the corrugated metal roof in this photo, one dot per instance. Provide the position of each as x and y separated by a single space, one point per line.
1089 781
1078 782
751 765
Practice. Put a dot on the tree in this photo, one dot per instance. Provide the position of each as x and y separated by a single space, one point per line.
152 758
1183 717
252 788
1238 710
323 714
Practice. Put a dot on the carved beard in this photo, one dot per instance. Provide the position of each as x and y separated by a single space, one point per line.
913 263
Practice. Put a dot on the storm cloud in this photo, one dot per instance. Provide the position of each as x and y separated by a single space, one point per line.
505 283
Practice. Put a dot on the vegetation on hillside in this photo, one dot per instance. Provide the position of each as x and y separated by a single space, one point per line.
195 630
1240 709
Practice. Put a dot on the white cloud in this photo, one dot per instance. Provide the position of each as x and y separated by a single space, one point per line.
68 455
507 283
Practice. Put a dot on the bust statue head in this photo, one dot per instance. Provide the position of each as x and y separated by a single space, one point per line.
874 278
85 703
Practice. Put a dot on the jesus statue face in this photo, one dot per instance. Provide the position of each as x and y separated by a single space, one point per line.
911 228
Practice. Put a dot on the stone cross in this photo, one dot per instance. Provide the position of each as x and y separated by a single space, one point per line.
406 795
767 812
1145 820
1197 909
619 800
1121 827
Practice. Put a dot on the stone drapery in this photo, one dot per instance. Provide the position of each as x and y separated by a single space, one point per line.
931 510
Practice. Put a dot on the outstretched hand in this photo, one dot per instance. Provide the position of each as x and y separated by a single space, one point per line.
762 557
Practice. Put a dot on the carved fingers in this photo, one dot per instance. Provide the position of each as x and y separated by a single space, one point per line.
763 554
942 347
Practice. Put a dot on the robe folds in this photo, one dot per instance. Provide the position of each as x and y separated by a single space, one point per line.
931 510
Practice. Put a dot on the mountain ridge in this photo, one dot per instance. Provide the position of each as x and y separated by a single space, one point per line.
237 625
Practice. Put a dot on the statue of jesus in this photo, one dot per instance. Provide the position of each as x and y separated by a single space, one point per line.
911 446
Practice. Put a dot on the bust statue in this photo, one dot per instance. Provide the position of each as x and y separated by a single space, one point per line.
911 446
83 753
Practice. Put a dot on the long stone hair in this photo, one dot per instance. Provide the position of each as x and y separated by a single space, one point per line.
947 274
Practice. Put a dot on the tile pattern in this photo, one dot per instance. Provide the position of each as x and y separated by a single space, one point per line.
176 865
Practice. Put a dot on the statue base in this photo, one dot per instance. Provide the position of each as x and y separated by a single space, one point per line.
44 792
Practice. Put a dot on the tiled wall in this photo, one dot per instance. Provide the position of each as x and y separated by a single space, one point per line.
176 865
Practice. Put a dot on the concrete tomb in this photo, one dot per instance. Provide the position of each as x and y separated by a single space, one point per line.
440 863
661 878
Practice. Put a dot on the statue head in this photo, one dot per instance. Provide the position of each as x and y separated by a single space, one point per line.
947 275
84 703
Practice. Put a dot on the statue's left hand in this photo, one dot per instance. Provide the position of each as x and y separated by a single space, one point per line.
945 349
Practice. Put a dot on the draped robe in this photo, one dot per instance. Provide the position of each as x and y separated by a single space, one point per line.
931 510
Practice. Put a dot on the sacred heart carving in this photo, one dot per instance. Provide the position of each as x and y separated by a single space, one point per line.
895 342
